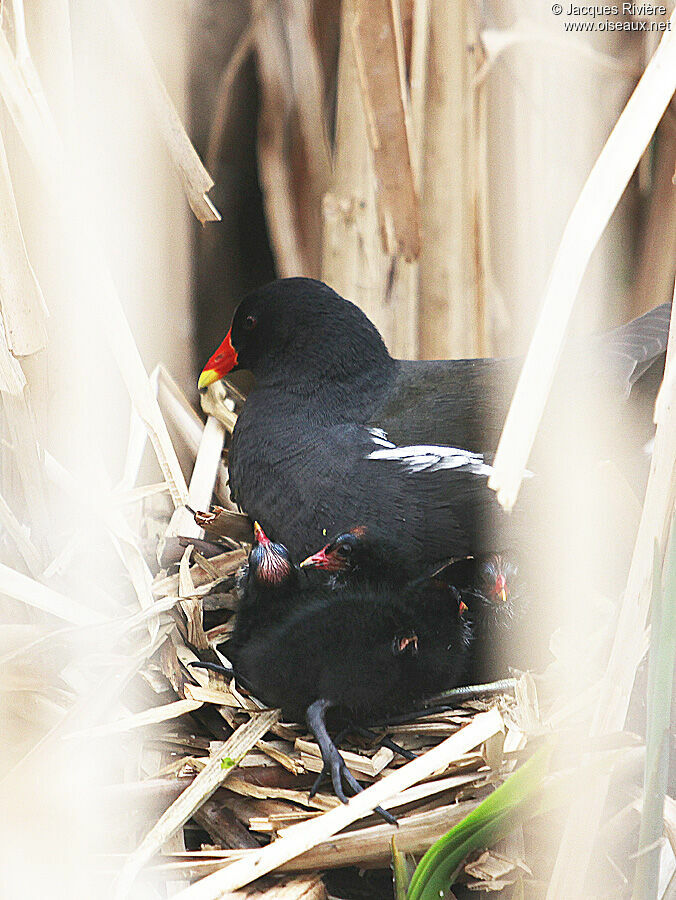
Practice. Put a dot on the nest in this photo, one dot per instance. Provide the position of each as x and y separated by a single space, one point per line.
244 776
240 778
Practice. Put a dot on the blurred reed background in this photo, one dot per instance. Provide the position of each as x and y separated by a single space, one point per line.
422 157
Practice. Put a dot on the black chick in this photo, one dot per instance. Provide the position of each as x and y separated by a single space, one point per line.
498 609
493 601
336 431
268 588
360 651
359 556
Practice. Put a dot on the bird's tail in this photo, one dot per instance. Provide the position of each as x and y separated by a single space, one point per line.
634 348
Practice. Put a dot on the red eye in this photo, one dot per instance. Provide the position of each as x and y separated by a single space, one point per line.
250 323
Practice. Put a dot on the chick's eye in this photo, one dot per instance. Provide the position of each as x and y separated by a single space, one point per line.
250 323
343 549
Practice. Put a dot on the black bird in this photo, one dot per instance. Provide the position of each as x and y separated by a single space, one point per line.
358 651
357 556
506 626
336 431
493 600
268 587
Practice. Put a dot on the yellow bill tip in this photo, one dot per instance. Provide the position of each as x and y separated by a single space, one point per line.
208 376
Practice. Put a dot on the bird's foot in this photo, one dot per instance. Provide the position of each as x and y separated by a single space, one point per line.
334 764
317 782
341 774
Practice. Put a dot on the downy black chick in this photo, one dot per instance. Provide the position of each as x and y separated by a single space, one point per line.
359 651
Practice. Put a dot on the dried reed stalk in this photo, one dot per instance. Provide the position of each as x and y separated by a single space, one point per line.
313 176
222 764
202 481
613 701
12 379
93 705
22 306
300 838
153 716
657 262
275 171
22 429
24 545
238 57
224 564
353 260
451 296
85 257
183 421
526 32
379 54
112 519
213 402
194 177
369 847
599 197
39 596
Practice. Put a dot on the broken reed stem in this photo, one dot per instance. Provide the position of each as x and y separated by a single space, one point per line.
65 198
368 847
194 177
152 716
202 481
39 596
302 837
21 302
613 701
220 766
599 197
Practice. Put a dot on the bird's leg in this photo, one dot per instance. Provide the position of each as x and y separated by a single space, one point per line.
214 667
474 691
241 682
453 699
370 735
325 772
333 761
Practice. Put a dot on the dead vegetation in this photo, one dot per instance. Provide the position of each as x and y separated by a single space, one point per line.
108 589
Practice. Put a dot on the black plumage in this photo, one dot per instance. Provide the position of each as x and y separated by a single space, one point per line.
495 603
336 431
500 612
268 588
359 651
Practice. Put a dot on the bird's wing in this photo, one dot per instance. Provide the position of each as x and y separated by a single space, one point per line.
457 403
463 402
436 494
630 350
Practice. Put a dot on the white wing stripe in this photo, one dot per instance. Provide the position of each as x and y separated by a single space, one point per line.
379 437
431 458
